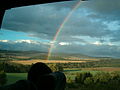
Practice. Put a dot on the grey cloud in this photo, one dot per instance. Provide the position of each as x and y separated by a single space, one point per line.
24 46
115 36
84 27
66 4
91 50
70 40
44 20
35 19
104 9
104 6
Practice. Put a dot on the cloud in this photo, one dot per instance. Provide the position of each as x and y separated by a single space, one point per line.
91 50
26 41
64 43
4 40
84 27
97 43
39 20
115 35
106 12
24 45
104 9
93 19
44 21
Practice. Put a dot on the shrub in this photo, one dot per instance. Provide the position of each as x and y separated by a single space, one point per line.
115 75
80 77
56 67
102 77
3 78
14 67
88 81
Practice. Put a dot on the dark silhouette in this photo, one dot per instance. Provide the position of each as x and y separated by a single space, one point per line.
40 77
20 85
38 70
44 79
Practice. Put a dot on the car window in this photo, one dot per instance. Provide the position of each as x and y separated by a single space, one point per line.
79 38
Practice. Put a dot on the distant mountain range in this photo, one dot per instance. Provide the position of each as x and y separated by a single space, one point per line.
35 48
23 45
38 55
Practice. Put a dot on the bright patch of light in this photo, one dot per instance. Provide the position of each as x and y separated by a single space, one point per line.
97 43
52 42
105 43
64 43
26 41
4 40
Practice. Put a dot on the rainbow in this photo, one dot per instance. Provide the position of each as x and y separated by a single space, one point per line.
61 27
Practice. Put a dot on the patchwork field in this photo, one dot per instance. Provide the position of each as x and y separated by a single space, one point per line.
27 62
71 65
109 69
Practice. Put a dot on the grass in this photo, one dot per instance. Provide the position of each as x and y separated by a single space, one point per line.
13 77
70 73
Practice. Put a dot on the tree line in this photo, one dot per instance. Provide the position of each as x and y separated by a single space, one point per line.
98 81
8 67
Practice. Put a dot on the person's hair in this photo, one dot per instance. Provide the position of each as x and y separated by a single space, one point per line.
37 70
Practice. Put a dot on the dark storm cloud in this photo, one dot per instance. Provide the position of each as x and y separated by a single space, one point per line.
105 9
44 20
36 19
66 4
84 27
104 6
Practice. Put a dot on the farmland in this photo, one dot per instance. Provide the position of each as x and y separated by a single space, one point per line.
45 61
70 73
13 77
16 64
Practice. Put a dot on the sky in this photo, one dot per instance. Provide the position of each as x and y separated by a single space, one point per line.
92 29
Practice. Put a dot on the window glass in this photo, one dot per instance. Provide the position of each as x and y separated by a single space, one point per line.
81 37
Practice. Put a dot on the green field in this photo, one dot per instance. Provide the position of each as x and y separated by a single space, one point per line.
71 85
71 73
13 77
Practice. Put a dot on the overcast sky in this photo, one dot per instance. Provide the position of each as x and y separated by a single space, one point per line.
92 29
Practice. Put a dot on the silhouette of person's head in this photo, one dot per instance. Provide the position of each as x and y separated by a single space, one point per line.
37 70
39 75
44 79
